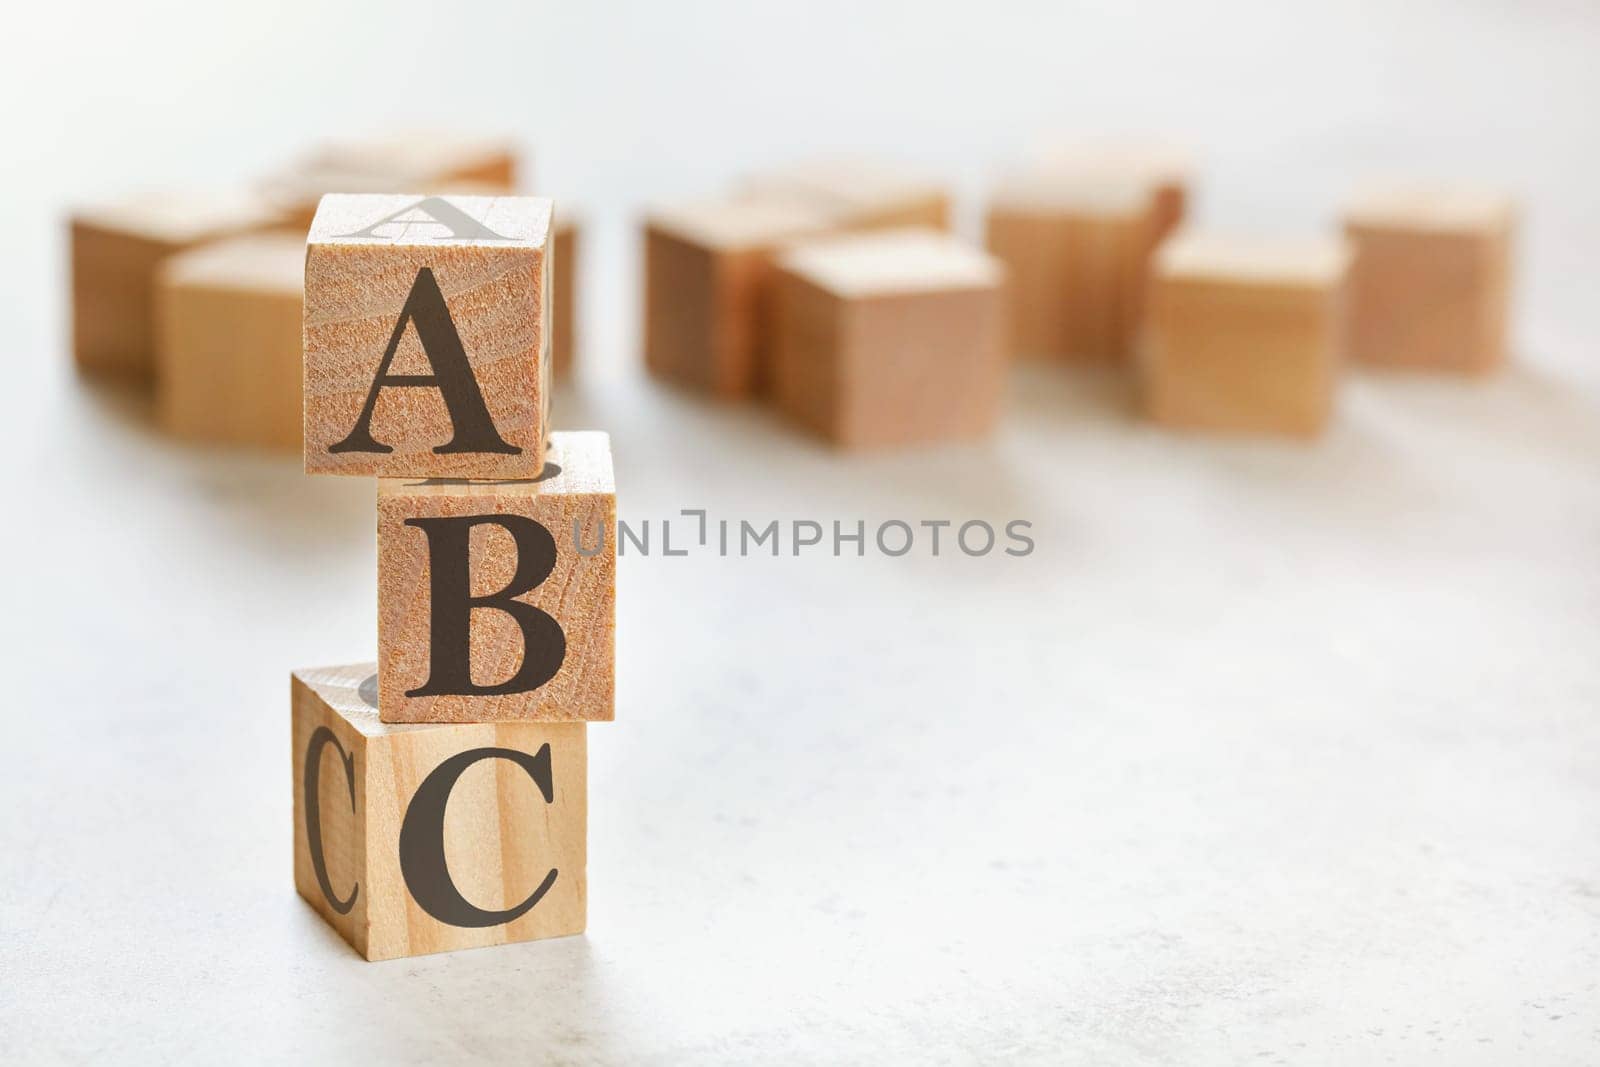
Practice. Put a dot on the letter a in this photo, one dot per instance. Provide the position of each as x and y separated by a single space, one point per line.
452 376
462 227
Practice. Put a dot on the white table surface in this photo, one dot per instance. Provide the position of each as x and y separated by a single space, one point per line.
1268 753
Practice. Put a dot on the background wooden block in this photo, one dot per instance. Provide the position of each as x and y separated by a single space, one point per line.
116 250
859 194
1244 335
488 258
228 335
563 295
892 337
372 804
1167 170
1430 286
707 271
574 594
1077 251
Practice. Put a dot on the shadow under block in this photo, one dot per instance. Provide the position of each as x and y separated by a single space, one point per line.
427 336
228 341
1430 285
116 252
893 337
417 839
1077 254
1244 336
489 608
563 296
859 194
708 268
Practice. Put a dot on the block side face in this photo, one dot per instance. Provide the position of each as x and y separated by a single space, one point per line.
466 851
554 652
113 283
806 355
330 785
680 310
563 301
433 306
1036 251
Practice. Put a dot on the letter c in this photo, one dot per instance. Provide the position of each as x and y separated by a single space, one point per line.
313 808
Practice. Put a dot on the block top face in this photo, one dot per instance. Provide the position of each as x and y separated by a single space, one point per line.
734 225
1147 161
1435 209
432 221
847 183
268 263
352 692
420 154
181 217
1072 192
890 262
1306 263
575 463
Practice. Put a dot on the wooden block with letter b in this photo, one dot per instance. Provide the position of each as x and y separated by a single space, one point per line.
418 839
427 339
890 337
1244 335
1430 286
497 599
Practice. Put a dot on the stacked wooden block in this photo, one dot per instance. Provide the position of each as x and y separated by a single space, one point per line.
440 795
200 295
832 291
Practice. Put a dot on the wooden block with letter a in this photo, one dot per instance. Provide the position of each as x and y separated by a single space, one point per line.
890 337
860 194
228 341
117 249
427 336
497 599
1430 286
708 268
1244 335
418 839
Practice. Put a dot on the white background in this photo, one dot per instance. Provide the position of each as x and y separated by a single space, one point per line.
1268 751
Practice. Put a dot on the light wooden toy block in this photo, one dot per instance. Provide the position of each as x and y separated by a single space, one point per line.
859 194
497 600
116 251
427 336
228 341
1167 170
417 839
1244 336
1077 250
1430 286
888 338
708 268
563 296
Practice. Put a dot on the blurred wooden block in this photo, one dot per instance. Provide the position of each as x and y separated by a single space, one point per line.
889 338
707 271
563 295
426 336
1244 336
1166 170
116 251
421 162
497 600
418 839
228 341
1077 252
859 194
1431 283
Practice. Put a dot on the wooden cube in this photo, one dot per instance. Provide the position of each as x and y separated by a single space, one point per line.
889 338
418 839
708 267
427 336
1077 250
563 296
1167 170
497 600
228 341
1430 286
859 194
1244 335
116 251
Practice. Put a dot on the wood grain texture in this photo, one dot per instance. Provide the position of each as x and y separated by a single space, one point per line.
708 270
859 194
228 318
563 296
117 249
890 338
1431 282
497 293
1244 336
580 592
501 838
